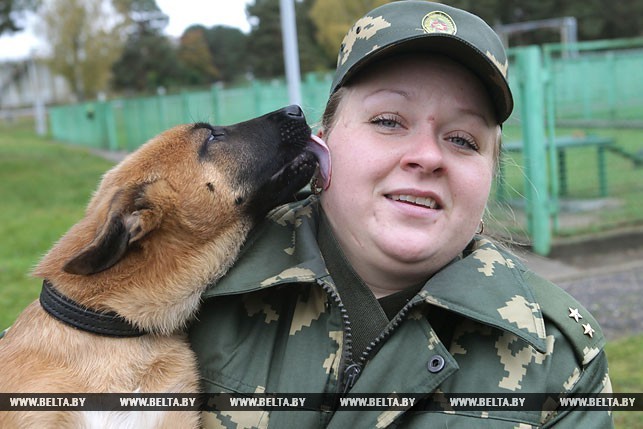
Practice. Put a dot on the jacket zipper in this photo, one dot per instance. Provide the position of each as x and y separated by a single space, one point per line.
385 334
353 369
349 369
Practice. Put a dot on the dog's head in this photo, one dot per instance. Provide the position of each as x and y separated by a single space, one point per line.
191 185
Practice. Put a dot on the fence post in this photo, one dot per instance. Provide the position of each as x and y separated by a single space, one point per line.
550 103
161 102
215 97
110 126
256 96
587 90
533 115
612 99
185 107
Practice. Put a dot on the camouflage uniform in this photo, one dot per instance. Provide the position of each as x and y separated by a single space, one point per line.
276 323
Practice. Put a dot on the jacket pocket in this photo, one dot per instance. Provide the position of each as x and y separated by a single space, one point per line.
225 409
462 420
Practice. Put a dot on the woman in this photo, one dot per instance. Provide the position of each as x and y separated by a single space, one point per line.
381 283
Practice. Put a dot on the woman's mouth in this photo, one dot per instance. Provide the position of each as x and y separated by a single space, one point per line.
426 202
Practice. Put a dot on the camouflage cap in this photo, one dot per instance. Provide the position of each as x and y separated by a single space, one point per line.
421 26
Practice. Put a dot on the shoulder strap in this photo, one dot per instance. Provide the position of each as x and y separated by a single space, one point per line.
582 331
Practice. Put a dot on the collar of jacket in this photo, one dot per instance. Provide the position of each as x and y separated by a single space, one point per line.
486 285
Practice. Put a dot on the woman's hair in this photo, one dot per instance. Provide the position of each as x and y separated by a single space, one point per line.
330 113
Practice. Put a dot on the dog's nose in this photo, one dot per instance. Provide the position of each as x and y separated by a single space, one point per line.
294 111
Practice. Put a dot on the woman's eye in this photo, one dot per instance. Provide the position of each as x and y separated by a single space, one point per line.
386 121
465 142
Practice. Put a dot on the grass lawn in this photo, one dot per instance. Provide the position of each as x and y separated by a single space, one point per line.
623 206
625 357
44 189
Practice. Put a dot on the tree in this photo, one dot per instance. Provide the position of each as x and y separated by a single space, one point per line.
265 49
312 56
196 58
141 13
148 60
599 20
333 19
84 41
596 19
265 45
11 12
228 47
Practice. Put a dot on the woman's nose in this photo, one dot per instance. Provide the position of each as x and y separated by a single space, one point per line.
424 154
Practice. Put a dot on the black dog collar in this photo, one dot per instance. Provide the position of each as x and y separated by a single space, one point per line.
70 312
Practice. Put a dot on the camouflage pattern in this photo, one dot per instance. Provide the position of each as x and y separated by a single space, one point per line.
422 26
275 324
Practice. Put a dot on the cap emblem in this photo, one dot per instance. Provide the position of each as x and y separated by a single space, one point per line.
438 22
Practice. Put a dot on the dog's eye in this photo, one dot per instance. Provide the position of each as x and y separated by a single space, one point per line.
214 136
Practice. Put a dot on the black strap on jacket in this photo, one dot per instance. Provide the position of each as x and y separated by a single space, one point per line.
73 314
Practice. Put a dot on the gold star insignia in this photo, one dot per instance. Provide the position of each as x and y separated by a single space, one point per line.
588 330
573 313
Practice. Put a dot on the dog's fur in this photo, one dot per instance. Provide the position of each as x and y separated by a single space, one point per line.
164 223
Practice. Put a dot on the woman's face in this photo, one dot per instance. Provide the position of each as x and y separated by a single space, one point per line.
413 147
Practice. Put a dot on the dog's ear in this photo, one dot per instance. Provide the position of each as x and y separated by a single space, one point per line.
132 215
107 248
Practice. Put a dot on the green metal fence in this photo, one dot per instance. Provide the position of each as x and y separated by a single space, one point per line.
572 104
126 123
598 82
588 84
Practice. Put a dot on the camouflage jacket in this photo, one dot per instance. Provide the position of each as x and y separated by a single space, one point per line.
275 323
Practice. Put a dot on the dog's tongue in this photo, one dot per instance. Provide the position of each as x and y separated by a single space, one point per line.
320 149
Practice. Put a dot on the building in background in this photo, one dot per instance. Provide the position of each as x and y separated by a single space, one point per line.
24 83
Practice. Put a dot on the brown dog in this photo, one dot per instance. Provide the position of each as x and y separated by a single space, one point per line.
163 224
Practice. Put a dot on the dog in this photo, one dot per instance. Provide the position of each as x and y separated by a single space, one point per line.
164 223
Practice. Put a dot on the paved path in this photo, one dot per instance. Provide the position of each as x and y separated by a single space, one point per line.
615 299
613 293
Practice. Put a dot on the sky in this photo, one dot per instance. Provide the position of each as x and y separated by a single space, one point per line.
182 14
